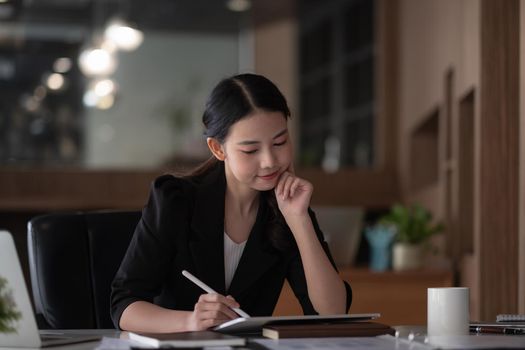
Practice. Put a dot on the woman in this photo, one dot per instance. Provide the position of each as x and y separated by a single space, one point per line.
241 223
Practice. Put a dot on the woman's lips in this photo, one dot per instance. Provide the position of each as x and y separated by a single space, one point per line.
270 176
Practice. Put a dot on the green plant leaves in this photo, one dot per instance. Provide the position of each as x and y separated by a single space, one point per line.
8 311
413 224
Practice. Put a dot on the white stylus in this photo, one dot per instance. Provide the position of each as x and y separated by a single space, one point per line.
210 290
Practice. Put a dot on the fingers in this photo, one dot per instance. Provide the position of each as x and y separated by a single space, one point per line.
212 310
216 306
294 186
287 186
279 189
218 298
202 322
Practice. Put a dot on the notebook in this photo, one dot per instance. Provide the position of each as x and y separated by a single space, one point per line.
510 318
251 324
22 330
187 339
349 329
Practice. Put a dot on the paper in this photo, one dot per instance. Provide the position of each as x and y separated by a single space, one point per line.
366 343
116 344
125 344
481 341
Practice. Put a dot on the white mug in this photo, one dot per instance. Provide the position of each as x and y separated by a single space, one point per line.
448 311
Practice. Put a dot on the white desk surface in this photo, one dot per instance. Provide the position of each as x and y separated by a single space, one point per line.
482 341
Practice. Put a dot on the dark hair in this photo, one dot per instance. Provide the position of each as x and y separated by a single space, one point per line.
237 97
231 100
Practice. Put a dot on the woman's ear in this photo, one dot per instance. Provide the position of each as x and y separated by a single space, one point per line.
215 148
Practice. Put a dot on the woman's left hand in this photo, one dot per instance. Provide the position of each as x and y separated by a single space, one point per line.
293 195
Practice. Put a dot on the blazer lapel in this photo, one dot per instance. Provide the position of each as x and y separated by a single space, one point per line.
257 256
207 248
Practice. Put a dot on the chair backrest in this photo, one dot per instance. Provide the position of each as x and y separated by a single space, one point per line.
73 258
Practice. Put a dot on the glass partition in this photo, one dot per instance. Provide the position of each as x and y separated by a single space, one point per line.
140 105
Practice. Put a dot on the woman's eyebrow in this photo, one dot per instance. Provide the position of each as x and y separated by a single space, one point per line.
280 133
250 142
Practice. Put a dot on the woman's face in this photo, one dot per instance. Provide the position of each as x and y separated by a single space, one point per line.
258 150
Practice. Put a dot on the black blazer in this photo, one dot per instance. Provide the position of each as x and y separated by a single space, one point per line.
182 228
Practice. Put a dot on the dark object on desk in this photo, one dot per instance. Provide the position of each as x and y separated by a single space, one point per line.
59 340
251 324
351 329
73 258
187 339
498 324
498 330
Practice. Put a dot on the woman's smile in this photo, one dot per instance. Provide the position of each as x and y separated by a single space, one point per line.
270 176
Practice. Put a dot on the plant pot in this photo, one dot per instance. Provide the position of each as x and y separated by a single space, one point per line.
380 242
406 256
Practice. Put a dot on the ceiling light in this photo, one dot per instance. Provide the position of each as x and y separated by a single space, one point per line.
124 35
40 92
55 81
104 87
30 103
62 65
238 5
100 94
90 99
97 61
106 102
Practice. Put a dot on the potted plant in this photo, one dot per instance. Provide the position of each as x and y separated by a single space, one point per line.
8 311
413 225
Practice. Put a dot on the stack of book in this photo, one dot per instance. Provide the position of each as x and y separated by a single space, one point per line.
349 329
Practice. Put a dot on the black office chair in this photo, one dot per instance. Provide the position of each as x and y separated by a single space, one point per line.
73 258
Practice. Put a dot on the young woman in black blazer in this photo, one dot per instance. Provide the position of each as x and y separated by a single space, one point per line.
245 199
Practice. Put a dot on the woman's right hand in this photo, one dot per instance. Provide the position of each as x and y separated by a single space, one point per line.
212 310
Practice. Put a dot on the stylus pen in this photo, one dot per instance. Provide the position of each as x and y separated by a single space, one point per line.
210 290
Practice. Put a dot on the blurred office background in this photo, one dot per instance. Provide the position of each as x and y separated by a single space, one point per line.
393 101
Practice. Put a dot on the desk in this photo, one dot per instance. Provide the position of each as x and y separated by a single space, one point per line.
464 342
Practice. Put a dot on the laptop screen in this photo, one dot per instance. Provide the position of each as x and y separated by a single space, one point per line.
19 327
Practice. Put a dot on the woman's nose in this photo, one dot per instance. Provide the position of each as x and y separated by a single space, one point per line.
268 160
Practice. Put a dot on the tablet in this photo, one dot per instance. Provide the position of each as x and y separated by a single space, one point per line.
250 324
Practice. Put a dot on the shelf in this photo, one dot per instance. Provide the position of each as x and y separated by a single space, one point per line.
52 189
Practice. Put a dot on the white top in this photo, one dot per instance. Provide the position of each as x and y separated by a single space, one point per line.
232 255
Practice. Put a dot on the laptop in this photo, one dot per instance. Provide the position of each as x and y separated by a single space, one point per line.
20 328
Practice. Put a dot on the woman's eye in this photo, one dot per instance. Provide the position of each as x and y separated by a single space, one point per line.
280 143
249 152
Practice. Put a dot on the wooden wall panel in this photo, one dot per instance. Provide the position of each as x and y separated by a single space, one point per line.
499 157
52 189
466 167
387 79
521 289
